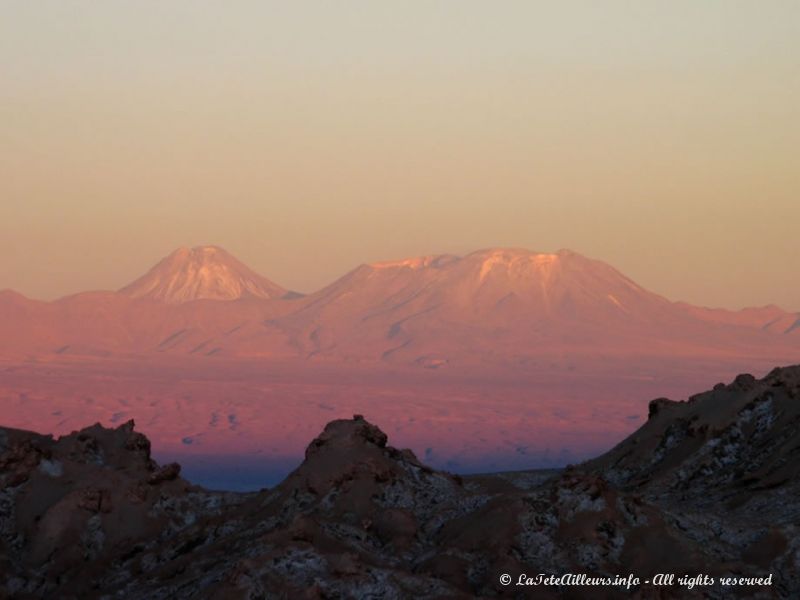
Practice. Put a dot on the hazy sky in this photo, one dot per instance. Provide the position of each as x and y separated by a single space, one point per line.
308 137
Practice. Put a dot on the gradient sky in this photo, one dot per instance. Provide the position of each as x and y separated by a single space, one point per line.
308 137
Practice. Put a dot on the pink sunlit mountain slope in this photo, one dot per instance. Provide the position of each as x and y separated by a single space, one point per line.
189 303
500 359
205 272
767 318
508 305
492 307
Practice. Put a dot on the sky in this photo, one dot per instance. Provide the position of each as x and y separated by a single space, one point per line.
309 137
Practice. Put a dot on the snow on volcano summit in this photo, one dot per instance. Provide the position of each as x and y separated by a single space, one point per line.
203 272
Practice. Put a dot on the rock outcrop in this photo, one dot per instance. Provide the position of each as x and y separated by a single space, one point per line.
707 486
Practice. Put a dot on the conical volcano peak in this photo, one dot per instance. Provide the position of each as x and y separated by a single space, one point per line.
201 256
199 251
202 272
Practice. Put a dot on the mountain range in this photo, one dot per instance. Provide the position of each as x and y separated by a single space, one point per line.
510 307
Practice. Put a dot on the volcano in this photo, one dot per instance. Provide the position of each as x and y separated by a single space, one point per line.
203 272
494 360
510 305
498 306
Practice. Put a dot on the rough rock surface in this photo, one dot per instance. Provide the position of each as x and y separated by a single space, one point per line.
705 486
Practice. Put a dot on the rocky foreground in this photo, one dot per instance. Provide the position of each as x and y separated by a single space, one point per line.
706 487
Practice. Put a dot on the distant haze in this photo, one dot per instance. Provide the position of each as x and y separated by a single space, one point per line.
309 137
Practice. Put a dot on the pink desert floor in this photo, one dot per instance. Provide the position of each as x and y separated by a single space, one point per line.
244 424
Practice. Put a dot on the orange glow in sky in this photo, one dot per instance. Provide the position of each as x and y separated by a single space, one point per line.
309 137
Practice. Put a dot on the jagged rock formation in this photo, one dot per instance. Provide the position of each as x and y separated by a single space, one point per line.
706 486
724 469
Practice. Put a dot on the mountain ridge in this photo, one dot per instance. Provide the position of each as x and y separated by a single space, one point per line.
495 304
